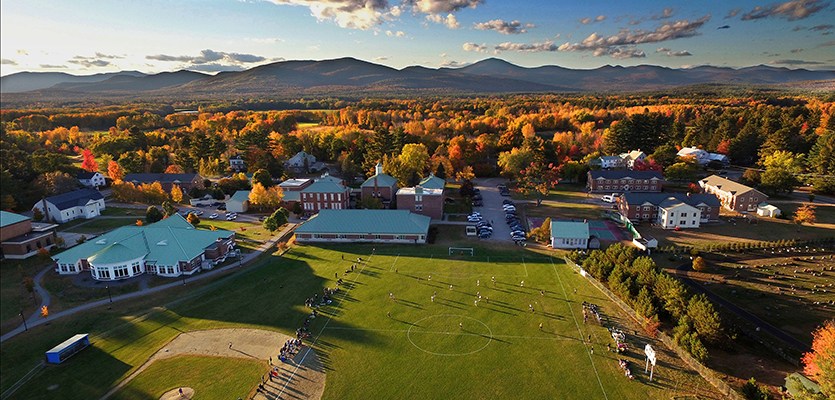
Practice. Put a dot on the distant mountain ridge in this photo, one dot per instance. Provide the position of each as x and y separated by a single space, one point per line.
349 75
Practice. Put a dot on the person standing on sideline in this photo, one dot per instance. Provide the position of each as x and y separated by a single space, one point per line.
592 349
230 345
540 326
494 280
478 282
450 287
432 298
388 314
343 257
522 284
461 325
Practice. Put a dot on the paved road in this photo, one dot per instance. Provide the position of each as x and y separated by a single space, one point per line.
36 318
492 209
742 313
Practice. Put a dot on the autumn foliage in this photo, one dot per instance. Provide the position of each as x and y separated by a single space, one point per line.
820 362
88 162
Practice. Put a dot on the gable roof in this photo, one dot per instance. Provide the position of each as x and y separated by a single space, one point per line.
419 190
671 198
86 175
240 196
294 183
432 182
300 157
324 186
162 178
621 174
166 242
383 180
633 155
366 221
7 218
610 158
727 185
569 229
687 151
75 198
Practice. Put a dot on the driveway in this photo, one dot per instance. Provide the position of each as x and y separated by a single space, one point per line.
492 209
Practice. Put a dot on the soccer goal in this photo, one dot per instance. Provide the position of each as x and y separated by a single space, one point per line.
461 251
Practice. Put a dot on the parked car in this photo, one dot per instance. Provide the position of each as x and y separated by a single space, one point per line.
213 216
478 203
221 207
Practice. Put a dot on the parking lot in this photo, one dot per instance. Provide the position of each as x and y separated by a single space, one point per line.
492 209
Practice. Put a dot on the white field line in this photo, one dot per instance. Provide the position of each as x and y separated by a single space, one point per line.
394 262
316 339
525 265
579 331
338 328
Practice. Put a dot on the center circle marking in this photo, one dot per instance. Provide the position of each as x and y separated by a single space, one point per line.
459 317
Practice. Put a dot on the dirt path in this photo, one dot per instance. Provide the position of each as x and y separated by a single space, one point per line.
309 381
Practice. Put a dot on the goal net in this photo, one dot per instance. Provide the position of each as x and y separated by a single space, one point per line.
461 251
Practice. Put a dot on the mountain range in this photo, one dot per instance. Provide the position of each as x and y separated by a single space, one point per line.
352 76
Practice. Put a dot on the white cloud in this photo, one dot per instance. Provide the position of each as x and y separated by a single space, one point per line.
528 47
590 20
381 58
209 56
670 53
479 48
505 27
51 66
6 61
450 21
454 64
620 52
791 10
395 34
442 6
354 14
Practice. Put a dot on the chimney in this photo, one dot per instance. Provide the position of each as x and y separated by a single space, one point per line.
378 169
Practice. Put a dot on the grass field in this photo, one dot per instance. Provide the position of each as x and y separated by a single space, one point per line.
418 352
13 295
248 235
102 225
210 377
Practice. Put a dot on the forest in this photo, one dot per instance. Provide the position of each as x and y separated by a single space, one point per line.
783 142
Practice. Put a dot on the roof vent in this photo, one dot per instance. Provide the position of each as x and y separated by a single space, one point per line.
162 243
101 241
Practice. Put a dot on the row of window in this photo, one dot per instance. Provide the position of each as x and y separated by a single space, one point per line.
324 196
322 206
624 181
574 241
377 237
616 187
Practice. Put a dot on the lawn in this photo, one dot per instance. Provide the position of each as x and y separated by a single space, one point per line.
101 225
418 352
248 235
13 295
210 377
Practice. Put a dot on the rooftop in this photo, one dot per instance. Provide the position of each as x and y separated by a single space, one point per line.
324 186
240 196
166 242
568 229
366 221
161 178
294 183
382 180
420 190
75 198
725 184
432 182
621 174
7 218
670 198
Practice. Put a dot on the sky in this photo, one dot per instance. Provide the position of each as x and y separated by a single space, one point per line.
84 37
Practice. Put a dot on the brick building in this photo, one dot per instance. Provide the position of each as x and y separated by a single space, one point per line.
325 194
420 200
733 195
371 226
670 210
381 186
21 238
618 181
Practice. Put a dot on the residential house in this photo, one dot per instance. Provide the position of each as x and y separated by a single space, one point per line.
632 156
292 189
381 186
21 238
239 202
300 163
82 203
733 195
237 164
185 181
92 180
325 193
665 208
358 226
569 235
616 181
420 200
609 162
171 247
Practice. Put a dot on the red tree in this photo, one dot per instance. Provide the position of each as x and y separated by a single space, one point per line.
820 362
723 147
89 163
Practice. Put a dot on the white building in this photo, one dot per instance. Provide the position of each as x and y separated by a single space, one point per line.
632 156
767 210
674 213
81 203
569 235
609 162
93 180
239 202
703 157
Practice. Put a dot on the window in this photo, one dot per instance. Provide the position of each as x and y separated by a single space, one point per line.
400 237
646 216
683 222
418 207
341 236
693 223
376 236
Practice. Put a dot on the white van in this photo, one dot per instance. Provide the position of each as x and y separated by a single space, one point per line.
471 230
609 198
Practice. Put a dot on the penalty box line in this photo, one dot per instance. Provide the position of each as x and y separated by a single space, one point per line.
339 328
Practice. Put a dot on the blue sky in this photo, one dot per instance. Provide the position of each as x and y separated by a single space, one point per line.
86 36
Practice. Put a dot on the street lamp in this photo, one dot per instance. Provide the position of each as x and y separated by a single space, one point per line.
25 327
109 295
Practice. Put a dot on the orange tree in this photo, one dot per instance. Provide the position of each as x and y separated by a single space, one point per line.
820 362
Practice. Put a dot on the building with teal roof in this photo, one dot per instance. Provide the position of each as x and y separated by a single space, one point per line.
380 186
21 238
239 202
327 192
171 247
370 226
432 182
569 235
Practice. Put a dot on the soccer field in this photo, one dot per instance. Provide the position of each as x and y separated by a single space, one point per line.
388 337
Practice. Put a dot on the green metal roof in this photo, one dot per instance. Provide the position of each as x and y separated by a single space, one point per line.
433 182
240 196
167 242
572 230
383 180
366 221
7 218
324 186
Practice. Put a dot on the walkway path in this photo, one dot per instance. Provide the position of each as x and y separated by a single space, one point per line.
36 319
740 312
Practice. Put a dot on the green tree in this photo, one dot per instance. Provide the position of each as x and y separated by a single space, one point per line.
538 179
193 219
644 304
57 182
152 214
37 215
704 317
168 209
752 391
781 170
639 131
276 220
263 177
513 162
541 233
822 156
665 155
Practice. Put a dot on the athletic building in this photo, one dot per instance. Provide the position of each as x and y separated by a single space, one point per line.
370 226
171 247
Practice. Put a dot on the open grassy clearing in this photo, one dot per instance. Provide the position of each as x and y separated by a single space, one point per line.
210 377
13 295
359 343
248 235
100 225
794 297
121 212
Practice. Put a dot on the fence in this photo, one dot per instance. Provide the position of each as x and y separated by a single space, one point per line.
707 373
